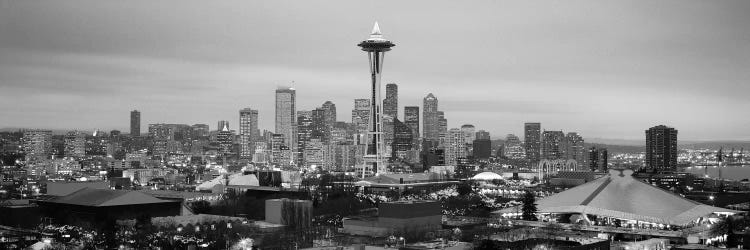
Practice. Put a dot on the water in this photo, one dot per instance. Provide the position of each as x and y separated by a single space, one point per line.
727 172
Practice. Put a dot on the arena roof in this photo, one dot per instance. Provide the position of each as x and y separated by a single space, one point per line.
619 195
106 197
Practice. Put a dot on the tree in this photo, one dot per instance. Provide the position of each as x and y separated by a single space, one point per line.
529 206
201 207
464 189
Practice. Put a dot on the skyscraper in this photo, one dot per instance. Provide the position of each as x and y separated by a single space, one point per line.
403 139
75 144
135 123
482 135
375 46
532 140
442 126
304 133
390 103
411 119
469 132
361 115
455 146
661 149
329 119
513 148
552 145
248 132
598 159
37 144
286 116
430 117
574 149
221 124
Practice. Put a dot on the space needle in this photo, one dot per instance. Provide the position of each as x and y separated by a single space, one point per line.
375 46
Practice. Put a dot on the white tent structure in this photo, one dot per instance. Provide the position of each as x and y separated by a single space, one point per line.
620 196
487 176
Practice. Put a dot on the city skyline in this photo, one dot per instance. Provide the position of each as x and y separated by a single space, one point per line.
689 58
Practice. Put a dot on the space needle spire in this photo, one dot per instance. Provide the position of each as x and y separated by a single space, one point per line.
375 46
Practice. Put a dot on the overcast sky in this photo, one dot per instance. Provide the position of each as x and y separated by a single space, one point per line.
607 69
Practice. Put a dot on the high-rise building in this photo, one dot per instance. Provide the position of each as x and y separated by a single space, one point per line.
574 149
442 127
661 149
329 119
318 125
481 149
248 132
513 148
225 138
430 129
482 135
598 159
375 46
532 140
361 118
455 146
200 130
411 119
403 139
135 123
37 144
221 124
390 103
552 145
286 116
469 132
304 132
75 144
470 135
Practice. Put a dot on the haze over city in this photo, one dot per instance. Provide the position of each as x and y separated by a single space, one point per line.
606 70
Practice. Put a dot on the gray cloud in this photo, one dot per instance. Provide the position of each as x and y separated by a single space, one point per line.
606 69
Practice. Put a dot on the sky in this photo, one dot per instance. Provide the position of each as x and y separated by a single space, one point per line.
606 69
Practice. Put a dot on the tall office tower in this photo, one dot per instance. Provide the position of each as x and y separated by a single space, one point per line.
403 139
330 119
278 147
532 140
481 149
135 123
361 116
430 129
225 138
37 144
388 123
390 103
375 46
598 159
513 148
469 132
314 153
455 146
200 131
318 125
248 132
574 149
304 132
221 124
75 144
442 127
411 119
483 135
552 145
661 149
286 116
